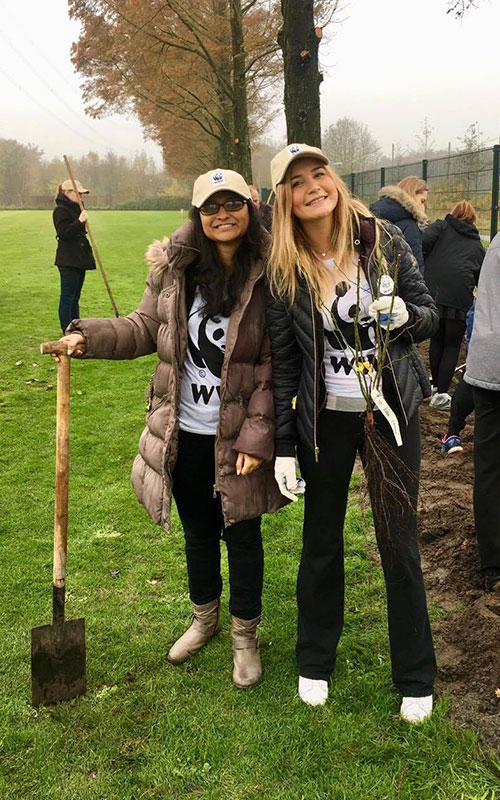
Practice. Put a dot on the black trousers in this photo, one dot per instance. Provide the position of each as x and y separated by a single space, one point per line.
320 585
487 475
201 517
444 351
72 280
462 404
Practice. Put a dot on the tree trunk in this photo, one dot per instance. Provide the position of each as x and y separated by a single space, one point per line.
300 44
241 147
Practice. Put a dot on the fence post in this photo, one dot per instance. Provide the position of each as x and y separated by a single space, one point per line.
353 181
494 190
424 169
382 177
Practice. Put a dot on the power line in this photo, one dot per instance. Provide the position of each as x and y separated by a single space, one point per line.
60 74
50 88
46 109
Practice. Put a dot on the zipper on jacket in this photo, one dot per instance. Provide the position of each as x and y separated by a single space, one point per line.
225 367
315 397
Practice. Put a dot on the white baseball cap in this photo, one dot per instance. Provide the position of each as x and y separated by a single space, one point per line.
292 152
218 180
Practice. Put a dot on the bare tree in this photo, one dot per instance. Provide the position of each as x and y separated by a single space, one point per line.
459 7
424 138
299 40
350 144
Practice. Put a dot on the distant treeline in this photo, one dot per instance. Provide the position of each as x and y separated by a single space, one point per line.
28 180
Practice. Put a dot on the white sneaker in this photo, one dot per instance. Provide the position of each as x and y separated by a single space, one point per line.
416 709
314 693
440 401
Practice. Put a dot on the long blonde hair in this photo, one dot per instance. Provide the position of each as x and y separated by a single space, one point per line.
291 255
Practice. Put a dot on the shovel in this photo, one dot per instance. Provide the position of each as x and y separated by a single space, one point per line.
58 650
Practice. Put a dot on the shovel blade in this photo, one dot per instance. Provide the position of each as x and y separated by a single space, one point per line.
58 662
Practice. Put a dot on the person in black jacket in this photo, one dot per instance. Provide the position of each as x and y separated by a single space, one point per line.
453 256
338 279
74 254
404 206
265 209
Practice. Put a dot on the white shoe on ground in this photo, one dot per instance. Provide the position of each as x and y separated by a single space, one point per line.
440 401
312 692
416 709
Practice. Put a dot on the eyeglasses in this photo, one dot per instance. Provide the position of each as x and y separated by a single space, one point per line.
233 204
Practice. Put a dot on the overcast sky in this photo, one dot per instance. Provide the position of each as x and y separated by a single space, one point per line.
389 64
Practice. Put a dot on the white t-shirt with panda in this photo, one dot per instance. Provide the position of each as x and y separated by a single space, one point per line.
340 344
200 389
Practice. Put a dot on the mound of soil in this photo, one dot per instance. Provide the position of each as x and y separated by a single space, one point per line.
468 638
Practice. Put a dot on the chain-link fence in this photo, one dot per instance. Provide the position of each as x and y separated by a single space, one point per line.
470 175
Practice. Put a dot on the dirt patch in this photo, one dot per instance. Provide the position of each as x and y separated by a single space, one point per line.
468 639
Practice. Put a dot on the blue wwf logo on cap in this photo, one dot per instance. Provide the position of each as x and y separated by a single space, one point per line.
217 178
294 149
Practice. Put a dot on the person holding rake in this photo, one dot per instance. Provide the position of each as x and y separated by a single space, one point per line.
209 438
345 306
74 254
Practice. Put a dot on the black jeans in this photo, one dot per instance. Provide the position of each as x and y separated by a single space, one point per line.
72 280
462 404
444 351
201 517
320 585
487 475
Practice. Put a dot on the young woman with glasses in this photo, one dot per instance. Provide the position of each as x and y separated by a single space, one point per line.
209 439
347 300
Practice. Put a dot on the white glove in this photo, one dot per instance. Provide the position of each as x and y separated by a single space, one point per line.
286 478
380 308
83 216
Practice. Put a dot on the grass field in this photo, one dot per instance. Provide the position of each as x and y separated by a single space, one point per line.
146 729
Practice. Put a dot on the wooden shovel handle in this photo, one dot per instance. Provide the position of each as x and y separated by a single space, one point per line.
62 461
57 348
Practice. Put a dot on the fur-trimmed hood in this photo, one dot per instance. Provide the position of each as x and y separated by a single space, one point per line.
174 252
405 200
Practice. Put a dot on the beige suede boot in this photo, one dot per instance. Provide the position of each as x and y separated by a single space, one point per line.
246 657
205 624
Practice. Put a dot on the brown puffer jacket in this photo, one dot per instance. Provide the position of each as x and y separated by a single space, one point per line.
246 422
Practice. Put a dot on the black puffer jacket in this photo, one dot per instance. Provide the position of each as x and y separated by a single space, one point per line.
297 346
453 256
73 247
402 210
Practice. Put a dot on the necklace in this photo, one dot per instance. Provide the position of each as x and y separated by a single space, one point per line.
319 253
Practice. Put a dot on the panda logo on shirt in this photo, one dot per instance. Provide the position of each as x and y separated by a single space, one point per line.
209 354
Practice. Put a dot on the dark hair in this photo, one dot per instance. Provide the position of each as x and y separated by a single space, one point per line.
220 292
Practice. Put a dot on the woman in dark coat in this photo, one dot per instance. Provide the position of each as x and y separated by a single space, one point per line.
404 206
453 256
74 254
339 279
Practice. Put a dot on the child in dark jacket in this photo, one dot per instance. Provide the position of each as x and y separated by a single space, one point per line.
453 256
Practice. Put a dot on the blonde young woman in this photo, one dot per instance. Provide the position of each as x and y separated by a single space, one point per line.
404 206
324 307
